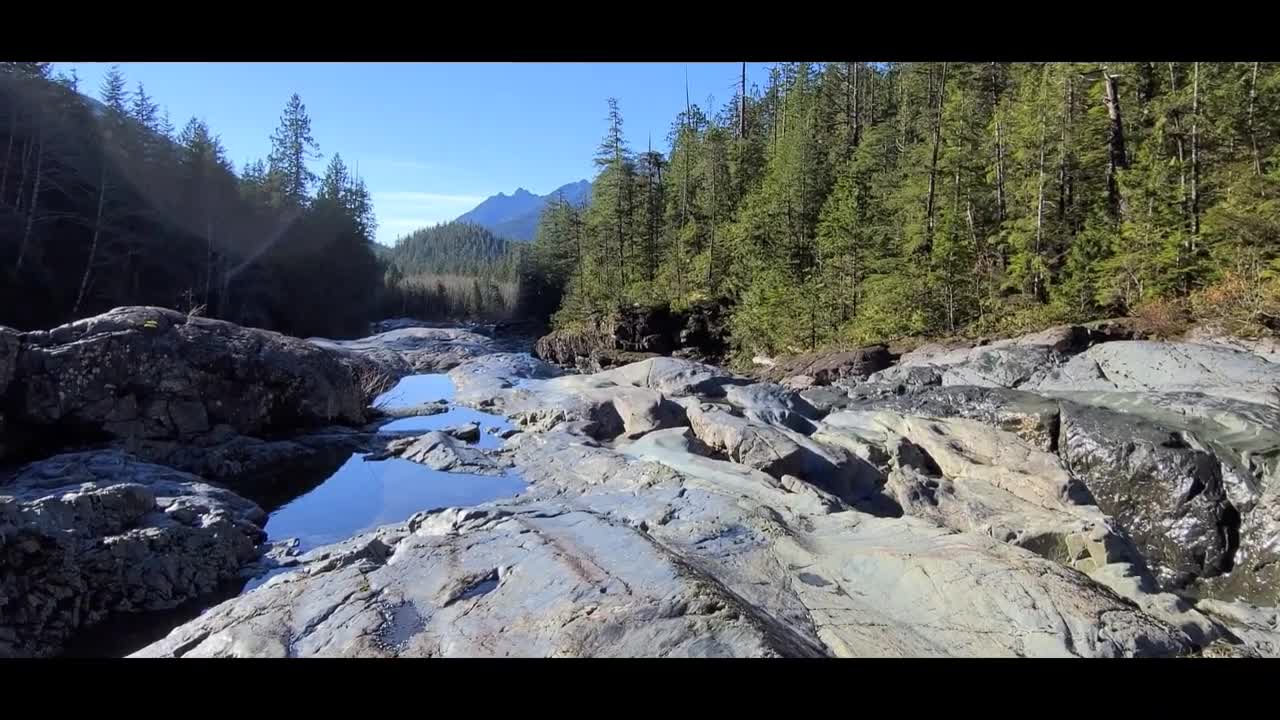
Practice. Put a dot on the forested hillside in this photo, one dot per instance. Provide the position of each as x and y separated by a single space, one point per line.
453 270
854 202
105 204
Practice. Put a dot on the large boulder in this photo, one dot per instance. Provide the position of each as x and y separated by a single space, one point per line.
145 374
86 534
826 367
1167 494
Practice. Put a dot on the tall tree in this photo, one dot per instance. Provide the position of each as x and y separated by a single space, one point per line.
291 147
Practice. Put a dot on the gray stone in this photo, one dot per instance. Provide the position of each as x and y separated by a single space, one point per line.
658 551
468 432
86 534
1169 367
144 375
440 451
409 350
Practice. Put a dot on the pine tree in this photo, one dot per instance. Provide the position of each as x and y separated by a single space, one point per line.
291 147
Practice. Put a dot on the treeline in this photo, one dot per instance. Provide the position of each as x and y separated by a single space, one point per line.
104 204
452 270
852 202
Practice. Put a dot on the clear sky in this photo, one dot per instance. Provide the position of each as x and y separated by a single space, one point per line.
434 139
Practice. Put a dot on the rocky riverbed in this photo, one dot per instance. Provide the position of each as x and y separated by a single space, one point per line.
1076 492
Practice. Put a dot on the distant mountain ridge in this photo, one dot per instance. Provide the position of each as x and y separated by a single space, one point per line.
515 216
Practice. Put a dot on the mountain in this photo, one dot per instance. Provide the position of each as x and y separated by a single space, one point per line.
515 216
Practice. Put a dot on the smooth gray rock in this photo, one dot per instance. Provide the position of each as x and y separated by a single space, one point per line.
415 349
1169 367
467 432
773 404
658 551
1031 417
440 451
87 534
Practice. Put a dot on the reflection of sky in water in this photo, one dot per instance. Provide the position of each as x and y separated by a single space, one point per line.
455 416
363 495
417 389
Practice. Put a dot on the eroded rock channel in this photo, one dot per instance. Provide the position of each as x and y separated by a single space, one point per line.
436 492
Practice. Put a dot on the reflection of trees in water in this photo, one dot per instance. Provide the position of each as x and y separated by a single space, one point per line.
274 488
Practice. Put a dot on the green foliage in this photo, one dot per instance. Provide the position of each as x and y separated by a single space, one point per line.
873 201
121 212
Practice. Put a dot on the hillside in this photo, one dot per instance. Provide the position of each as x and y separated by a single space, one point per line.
515 216
455 248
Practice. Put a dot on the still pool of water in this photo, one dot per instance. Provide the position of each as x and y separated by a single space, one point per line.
363 495
415 390
418 389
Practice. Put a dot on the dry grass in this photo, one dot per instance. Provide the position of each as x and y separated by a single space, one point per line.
1162 318
373 382
1243 305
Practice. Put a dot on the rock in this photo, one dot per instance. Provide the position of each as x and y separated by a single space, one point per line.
826 398
701 331
1168 367
1267 348
970 477
1256 630
658 551
1029 416
469 432
674 377
415 349
142 375
439 451
772 405
86 534
827 367
420 410
1168 495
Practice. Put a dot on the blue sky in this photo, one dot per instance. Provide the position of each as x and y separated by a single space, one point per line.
434 139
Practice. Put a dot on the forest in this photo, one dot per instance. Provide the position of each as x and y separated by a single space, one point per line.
452 270
104 203
854 202
839 203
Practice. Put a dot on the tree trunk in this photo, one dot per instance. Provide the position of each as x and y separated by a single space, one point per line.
1253 135
933 161
1064 170
1116 158
8 151
25 165
995 109
1195 162
93 244
1035 277
208 273
34 204
856 117
742 106
1182 158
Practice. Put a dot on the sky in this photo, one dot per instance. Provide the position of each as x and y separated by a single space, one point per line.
432 140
